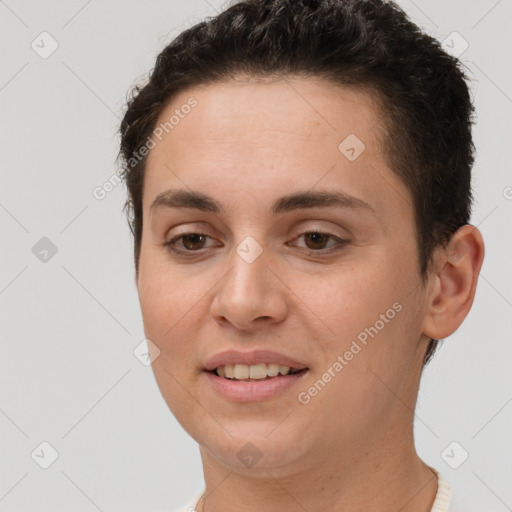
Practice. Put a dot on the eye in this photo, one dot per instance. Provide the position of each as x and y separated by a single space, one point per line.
318 241
190 242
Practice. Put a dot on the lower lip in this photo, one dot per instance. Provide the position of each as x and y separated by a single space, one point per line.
253 391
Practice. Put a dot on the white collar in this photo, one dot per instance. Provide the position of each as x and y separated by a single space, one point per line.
444 493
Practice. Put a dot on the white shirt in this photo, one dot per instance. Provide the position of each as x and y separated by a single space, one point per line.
442 501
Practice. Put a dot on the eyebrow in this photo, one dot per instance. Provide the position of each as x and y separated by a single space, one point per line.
290 202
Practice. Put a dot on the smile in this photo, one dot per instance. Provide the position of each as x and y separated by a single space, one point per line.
253 372
253 390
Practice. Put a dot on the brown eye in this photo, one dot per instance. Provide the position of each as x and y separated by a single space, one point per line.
316 240
193 241
190 244
319 243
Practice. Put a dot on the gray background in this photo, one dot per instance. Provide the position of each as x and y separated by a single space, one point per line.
69 325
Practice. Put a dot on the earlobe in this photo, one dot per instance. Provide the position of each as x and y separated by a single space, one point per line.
454 282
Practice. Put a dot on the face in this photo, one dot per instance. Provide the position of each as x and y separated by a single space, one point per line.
271 222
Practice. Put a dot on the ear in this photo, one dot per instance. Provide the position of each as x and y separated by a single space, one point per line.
452 285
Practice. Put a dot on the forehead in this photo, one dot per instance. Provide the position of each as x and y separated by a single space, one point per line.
255 137
305 107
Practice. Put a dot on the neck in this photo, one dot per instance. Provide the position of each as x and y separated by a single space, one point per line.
385 479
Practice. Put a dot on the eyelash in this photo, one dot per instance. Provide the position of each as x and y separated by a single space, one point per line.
189 253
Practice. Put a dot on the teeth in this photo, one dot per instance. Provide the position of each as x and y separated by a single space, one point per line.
273 370
255 371
283 370
258 371
241 371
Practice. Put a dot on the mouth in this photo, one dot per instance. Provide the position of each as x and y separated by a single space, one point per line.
259 375
255 373
244 384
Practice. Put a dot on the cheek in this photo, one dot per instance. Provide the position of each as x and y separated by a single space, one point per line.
165 291
175 304
368 312
168 316
166 304
346 301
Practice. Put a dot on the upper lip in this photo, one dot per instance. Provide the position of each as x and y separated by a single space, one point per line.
250 358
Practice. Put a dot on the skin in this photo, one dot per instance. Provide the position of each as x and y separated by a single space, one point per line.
351 447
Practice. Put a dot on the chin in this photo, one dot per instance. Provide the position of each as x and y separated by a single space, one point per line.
250 450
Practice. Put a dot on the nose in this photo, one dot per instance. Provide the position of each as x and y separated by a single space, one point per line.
250 295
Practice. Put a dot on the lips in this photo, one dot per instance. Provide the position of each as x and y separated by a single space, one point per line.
252 358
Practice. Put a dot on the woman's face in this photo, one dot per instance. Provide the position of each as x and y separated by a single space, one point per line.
330 285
